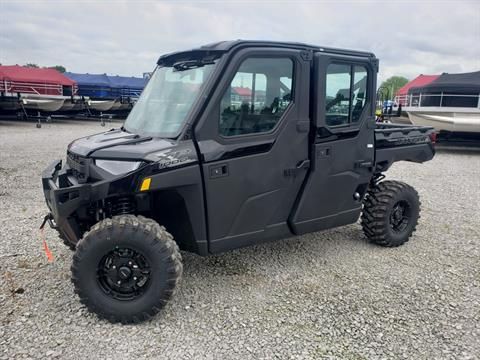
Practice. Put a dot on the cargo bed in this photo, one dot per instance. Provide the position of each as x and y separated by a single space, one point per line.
397 142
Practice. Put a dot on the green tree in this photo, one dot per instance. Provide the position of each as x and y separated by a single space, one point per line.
389 87
59 68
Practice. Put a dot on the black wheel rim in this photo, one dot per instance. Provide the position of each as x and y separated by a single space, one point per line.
124 274
400 216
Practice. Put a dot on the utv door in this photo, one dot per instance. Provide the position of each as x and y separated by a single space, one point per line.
343 150
253 138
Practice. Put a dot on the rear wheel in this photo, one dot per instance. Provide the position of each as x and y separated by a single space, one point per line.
125 269
390 213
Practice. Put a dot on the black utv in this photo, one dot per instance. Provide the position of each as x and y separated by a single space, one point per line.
230 144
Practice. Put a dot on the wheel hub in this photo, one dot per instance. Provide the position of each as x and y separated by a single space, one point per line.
123 274
400 216
397 214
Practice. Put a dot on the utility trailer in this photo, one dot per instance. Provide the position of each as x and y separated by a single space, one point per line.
230 144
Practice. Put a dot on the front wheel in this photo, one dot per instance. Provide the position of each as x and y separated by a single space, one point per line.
390 213
125 269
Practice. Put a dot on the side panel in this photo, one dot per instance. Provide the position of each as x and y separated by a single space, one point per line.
251 180
342 159
185 181
328 197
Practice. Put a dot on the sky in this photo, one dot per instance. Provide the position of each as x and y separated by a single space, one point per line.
127 37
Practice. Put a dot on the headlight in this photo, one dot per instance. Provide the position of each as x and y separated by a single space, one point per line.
117 167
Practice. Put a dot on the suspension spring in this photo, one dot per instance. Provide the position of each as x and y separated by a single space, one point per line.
122 205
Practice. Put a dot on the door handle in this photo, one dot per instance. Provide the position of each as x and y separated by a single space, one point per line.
303 165
217 171
363 164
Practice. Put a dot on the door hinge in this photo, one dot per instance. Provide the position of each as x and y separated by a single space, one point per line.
303 165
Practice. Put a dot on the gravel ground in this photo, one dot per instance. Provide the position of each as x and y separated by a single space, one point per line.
323 295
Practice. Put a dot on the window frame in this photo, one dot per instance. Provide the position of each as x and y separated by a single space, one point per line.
352 65
287 109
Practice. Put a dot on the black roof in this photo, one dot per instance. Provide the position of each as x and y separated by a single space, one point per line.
225 46
464 83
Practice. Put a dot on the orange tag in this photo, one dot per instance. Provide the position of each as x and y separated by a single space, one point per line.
45 246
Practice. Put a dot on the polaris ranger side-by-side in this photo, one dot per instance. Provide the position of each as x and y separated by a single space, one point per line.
230 144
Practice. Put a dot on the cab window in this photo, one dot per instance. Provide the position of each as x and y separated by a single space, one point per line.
346 92
257 97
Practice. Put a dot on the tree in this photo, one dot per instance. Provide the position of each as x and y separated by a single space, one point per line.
59 68
390 86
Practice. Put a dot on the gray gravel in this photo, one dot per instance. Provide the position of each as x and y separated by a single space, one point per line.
323 295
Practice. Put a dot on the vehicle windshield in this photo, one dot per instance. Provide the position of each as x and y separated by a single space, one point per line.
167 99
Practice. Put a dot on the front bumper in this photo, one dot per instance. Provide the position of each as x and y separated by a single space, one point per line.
64 196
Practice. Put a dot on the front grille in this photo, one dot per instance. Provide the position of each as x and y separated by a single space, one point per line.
79 166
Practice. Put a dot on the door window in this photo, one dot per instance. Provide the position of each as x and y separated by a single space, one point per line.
258 95
346 92
359 92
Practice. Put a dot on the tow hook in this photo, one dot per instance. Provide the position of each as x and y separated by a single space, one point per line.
49 218
51 222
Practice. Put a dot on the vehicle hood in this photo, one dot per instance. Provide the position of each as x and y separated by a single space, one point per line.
118 144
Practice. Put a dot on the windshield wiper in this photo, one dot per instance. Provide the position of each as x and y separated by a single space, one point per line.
190 64
124 130
136 139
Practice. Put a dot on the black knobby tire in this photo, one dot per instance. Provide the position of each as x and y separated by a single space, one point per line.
391 210
73 246
112 241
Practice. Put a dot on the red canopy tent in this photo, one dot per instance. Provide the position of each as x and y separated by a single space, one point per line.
421 80
26 80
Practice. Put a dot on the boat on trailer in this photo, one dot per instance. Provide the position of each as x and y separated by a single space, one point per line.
46 92
108 93
401 96
46 104
450 103
94 88
24 88
101 105
73 104
458 120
